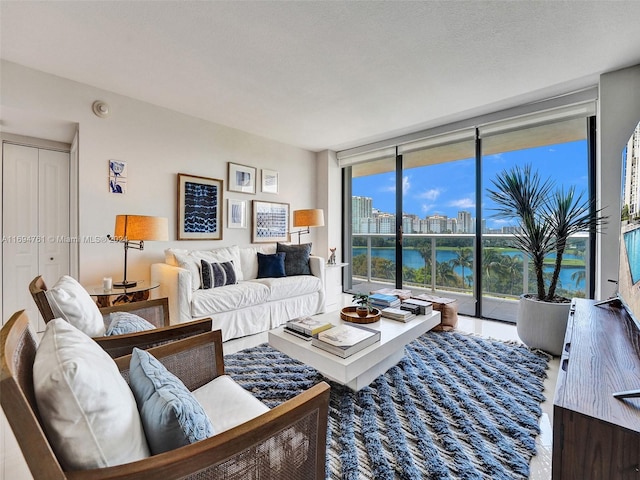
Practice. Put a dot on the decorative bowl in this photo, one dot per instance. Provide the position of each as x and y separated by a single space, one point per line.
348 314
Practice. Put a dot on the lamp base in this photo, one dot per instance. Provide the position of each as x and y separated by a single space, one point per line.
124 284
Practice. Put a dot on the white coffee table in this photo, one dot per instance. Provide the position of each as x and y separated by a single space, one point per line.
362 368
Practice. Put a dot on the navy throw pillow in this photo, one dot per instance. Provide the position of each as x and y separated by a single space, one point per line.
271 266
297 260
213 274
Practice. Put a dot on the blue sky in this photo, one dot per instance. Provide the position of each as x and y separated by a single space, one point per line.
447 188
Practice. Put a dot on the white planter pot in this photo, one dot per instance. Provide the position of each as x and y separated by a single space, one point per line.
542 325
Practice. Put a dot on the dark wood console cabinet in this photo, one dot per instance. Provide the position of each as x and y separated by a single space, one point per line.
595 436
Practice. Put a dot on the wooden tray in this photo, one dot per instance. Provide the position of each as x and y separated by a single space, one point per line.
348 314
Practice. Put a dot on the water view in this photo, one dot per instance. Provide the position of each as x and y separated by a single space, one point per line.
570 275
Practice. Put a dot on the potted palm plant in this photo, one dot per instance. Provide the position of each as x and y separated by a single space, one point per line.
547 216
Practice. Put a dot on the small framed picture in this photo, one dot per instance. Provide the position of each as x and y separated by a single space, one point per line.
269 181
199 208
117 176
242 178
236 213
270 222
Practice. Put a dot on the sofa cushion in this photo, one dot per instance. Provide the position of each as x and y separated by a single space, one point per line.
70 301
216 274
287 287
171 415
231 297
297 260
249 259
87 409
271 266
222 254
227 403
125 322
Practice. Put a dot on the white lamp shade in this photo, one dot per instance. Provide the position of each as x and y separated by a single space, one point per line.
308 218
141 227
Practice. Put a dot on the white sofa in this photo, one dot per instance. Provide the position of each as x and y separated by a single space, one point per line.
252 305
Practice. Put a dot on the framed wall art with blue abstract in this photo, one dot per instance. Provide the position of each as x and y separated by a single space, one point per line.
270 222
199 208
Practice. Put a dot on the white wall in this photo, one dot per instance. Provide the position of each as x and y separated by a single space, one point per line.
619 113
157 143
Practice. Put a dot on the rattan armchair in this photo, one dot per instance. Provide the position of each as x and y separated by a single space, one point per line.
255 449
154 311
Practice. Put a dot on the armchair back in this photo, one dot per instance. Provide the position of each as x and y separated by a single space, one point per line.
154 311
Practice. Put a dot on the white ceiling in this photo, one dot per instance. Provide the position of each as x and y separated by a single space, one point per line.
326 74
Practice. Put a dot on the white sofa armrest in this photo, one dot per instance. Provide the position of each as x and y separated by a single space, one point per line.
175 284
316 265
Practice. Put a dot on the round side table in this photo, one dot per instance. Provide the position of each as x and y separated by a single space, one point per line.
122 295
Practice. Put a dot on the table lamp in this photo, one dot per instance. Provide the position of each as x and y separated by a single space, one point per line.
132 231
307 218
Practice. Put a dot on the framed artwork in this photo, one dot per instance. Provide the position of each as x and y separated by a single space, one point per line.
117 176
269 181
270 222
242 178
199 208
236 213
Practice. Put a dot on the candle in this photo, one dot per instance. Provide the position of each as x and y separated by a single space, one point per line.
107 283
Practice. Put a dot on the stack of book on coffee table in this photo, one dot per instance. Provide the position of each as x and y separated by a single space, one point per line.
398 314
402 294
345 340
381 300
424 307
306 327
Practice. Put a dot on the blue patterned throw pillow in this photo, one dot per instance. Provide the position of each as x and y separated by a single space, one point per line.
213 274
271 266
122 323
297 260
171 416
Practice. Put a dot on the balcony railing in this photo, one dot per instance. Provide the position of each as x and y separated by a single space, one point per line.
506 271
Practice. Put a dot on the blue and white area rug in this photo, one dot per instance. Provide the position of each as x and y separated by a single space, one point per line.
455 407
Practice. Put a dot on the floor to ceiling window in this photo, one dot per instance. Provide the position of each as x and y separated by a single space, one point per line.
419 217
438 218
373 222
559 152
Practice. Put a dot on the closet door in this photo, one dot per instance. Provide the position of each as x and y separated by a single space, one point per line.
35 226
20 229
53 215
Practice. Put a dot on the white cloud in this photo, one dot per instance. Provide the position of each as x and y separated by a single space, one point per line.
432 194
406 185
466 203
425 207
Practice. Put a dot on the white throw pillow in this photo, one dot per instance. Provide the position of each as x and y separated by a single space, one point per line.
87 409
190 263
70 301
249 259
220 255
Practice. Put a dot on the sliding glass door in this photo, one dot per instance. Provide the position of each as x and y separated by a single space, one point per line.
373 225
438 219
